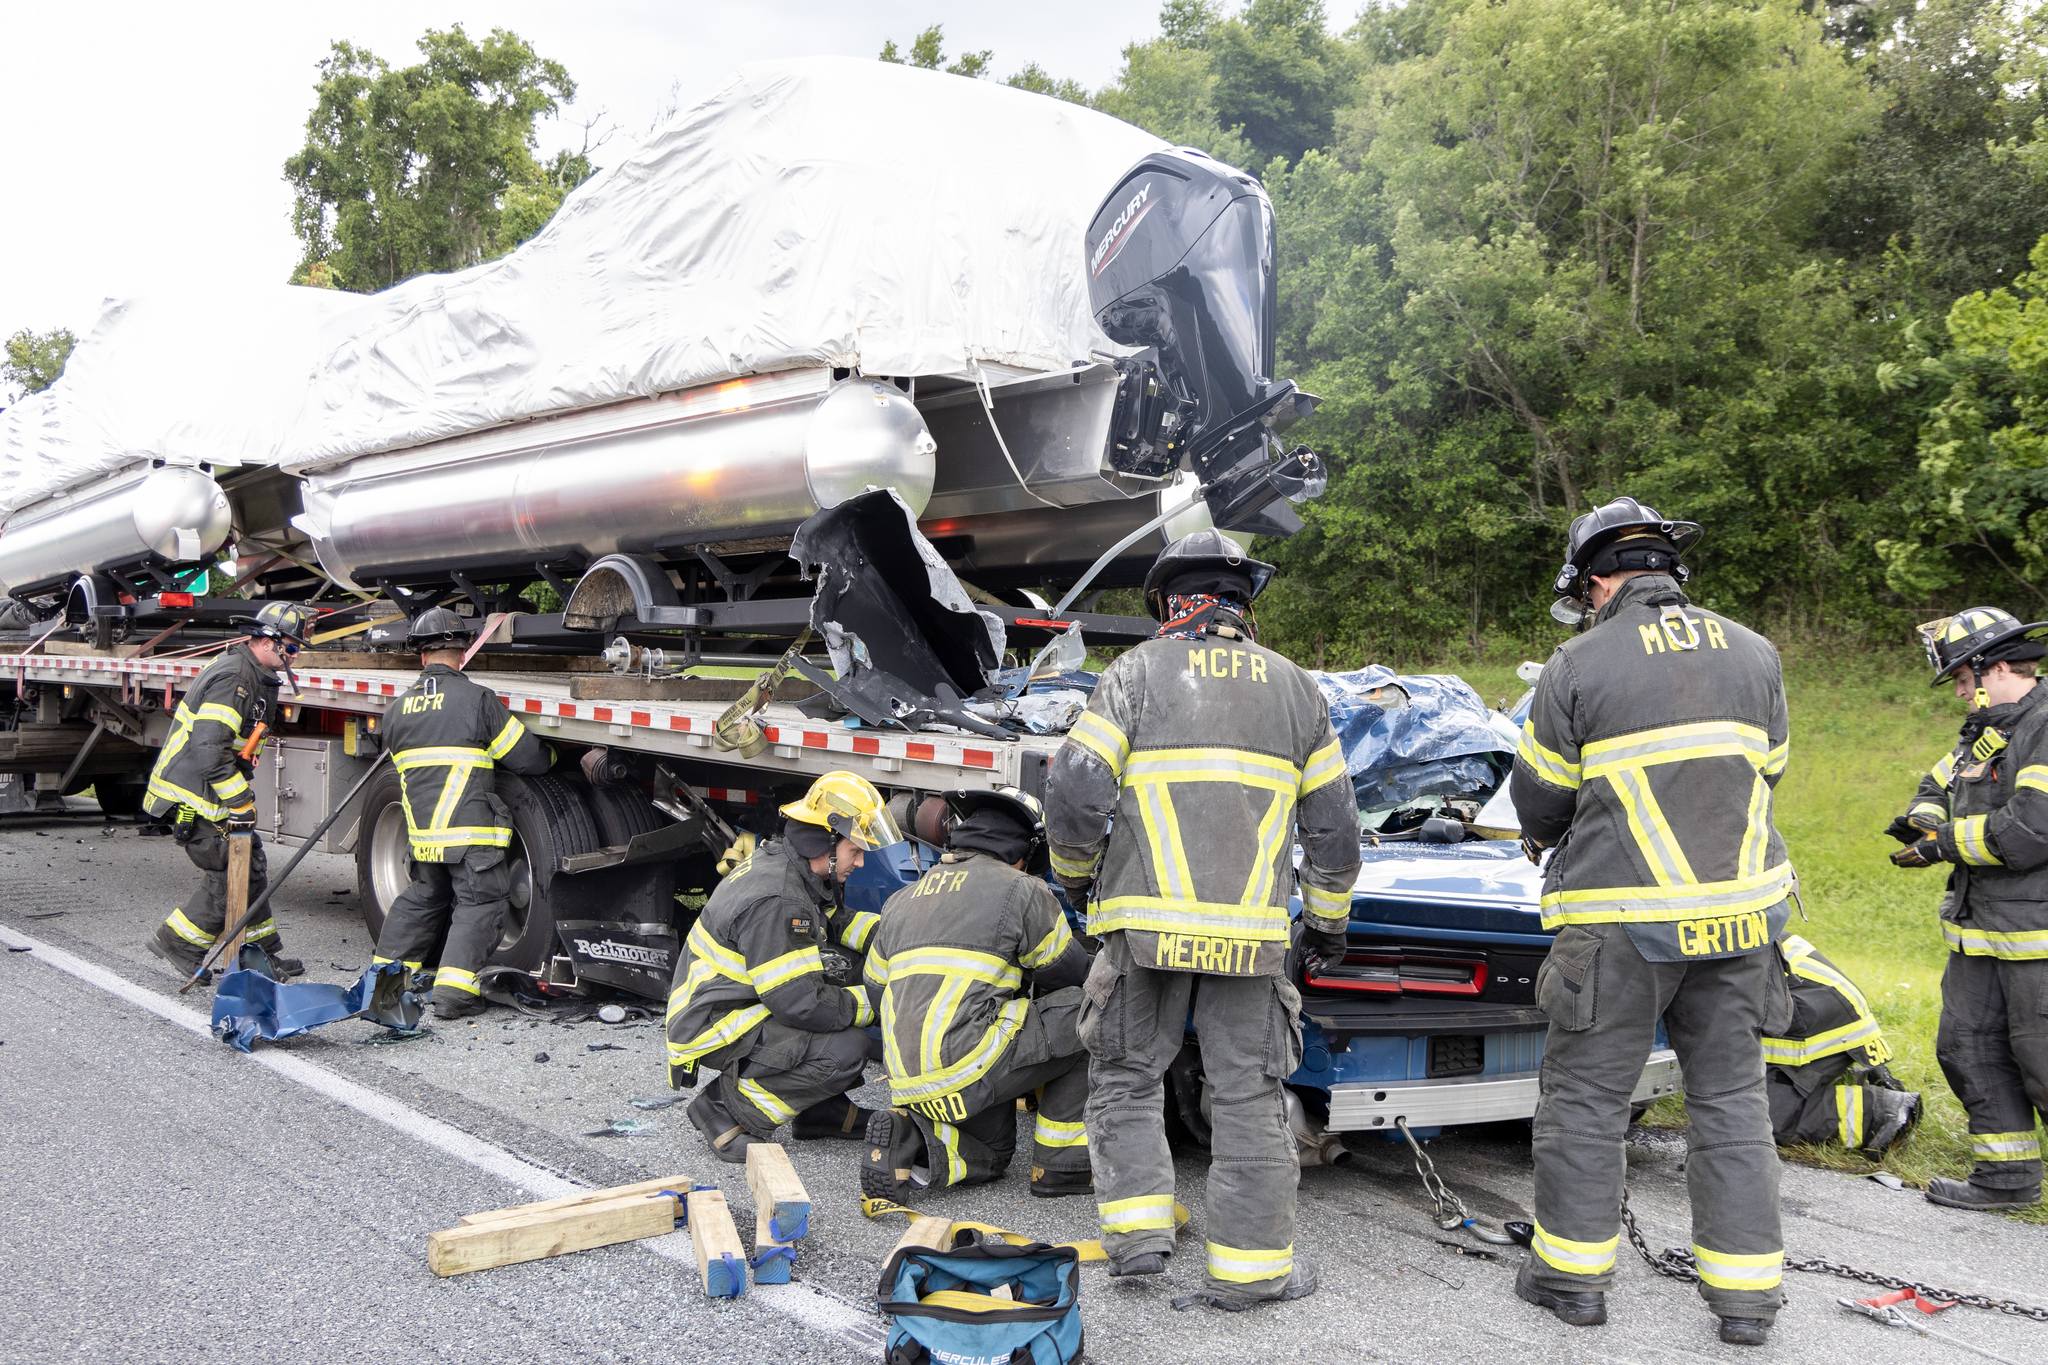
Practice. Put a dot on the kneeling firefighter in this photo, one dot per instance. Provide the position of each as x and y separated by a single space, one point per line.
768 990
447 735
200 784
1826 1078
952 972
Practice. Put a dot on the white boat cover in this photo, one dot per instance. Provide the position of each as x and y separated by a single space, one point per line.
825 211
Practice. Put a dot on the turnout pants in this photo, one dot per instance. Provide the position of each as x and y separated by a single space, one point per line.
1604 1001
466 900
1993 1047
1134 1021
197 923
971 1134
777 1072
1811 1103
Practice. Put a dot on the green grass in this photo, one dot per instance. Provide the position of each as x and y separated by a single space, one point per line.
1862 735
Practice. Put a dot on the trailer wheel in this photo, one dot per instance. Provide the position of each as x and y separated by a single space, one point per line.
120 797
622 811
383 851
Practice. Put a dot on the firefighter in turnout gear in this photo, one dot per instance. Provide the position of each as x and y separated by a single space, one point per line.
1827 1076
952 972
200 784
1647 766
1213 756
447 735
767 990
1993 832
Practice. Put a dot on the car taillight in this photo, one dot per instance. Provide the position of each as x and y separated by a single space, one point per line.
174 599
1380 972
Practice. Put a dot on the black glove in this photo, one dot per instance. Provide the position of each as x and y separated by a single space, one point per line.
838 966
1321 947
1532 850
1904 830
1922 852
242 819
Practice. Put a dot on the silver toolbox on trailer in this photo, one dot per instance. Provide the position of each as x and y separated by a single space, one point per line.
299 781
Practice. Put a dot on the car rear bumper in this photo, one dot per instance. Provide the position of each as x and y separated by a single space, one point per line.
1473 1099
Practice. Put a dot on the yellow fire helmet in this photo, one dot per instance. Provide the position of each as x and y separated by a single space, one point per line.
848 805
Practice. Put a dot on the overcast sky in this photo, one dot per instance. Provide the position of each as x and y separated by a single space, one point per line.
144 142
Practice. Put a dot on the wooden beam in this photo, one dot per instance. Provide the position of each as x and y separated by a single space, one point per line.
782 1209
721 1260
925 1230
241 845
644 1187
536 1236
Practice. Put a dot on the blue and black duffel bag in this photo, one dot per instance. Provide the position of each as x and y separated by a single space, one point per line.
946 1309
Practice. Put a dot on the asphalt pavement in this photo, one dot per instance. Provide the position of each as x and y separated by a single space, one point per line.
165 1198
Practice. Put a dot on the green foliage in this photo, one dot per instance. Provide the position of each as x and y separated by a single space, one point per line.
35 360
428 167
927 51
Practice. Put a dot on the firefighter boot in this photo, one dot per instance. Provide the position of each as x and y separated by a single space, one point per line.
1889 1115
1059 1184
1587 1309
183 957
1967 1194
1144 1263
1745 1331
896 1162
722 1132
838 1117
450 1003
1300 1283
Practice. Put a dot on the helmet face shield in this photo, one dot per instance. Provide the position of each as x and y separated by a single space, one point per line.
847 805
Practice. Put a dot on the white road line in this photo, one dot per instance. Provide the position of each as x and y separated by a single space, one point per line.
808 1304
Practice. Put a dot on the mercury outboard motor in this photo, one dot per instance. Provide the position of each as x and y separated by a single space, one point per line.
1180 264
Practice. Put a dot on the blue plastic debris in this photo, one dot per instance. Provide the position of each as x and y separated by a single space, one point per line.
247 1005
1411 736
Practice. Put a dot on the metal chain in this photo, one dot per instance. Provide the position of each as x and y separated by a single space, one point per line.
1450 1210
1679 1265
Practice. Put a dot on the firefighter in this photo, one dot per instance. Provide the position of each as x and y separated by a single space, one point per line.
447 735
1647 766
1827 1077
200 785
768 988
1993 1038
951 972
1174 808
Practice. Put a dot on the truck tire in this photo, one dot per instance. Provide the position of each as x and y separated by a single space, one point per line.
622 811
646 892
120 797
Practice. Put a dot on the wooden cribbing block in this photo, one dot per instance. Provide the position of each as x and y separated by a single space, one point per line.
570 1201
721 1260
925 1230
782 1210
533 1236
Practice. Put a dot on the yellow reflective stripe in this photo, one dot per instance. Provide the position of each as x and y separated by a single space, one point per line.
2023 946
1272 837
875 969
1173 915
231 786
1145 1213
863 1012
771 1105
220 713
1927 808
262 928
1677 744
2033 777
726 961
439 756
780 971
963 963
1547 763
1729 1270
1243 1265
378 959
1663 904
859 929
938 1021
1849 1114
1574 1258
730 1029
184 928
1325 905
2005 1146
457 978
1756 829
163 789
1972 847
892 1047
1101 737
1775 760
970 1068
480 836
509 736
1048 949
1214 763
452 787
949 1142
1074 869
1058 1133
1654 837
1944 768
1800 1051
1324 766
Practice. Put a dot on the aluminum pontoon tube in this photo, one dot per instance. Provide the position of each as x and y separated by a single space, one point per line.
173 514
749 459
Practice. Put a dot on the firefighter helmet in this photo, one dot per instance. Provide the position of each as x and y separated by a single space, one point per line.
848 805
1979 637
436 628
1023 809
1216 561
277 621
1623 534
